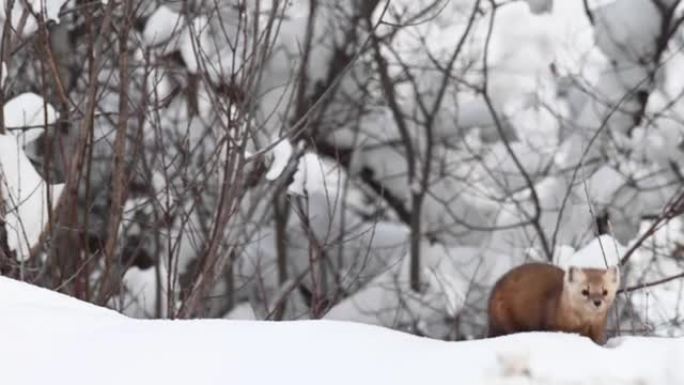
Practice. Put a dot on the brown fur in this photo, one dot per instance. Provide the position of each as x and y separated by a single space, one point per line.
542 297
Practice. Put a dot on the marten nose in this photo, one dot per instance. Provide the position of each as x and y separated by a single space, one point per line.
597 303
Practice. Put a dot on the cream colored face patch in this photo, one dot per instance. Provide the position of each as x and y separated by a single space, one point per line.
592 290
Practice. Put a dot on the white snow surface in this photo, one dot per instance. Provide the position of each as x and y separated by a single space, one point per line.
74 342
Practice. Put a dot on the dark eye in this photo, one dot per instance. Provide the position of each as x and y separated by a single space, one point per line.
605 292
585 292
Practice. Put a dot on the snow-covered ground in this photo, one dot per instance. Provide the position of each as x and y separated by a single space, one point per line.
48 338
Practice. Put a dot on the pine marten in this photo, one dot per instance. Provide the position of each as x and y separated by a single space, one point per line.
543 297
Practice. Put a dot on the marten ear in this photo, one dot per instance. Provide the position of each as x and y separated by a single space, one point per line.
614 274
571 274
574 274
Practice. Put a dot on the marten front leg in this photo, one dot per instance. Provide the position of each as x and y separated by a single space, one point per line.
597 334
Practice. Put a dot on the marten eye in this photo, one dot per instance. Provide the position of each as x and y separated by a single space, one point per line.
605 292
585 292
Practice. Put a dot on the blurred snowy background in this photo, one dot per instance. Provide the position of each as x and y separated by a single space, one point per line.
367 160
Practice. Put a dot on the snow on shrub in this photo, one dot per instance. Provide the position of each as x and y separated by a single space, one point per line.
24 193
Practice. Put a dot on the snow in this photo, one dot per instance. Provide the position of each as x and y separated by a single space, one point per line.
74 342
28 113
282 152
553 79
169 31
242 311
161 26
50 8
28 299
540 6
159 81
448 274
313 174
17 11
195 43
141 288
601 252
25 195
627 30
660 307
23 191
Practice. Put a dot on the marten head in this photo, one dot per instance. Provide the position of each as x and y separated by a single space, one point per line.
591 291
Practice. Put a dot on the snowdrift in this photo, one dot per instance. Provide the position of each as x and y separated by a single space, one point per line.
48 338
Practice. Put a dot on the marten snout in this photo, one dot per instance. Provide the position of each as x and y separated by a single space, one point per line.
596 299
595 296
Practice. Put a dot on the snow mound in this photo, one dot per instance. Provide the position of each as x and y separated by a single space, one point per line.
30 113
22 299
25 194
73 342
161 26
601 252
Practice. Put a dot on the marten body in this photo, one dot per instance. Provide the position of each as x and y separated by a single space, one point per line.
543 297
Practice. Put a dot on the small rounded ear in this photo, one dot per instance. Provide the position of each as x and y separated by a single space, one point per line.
571 274
614 274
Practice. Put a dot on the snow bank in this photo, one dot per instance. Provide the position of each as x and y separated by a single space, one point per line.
76 343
